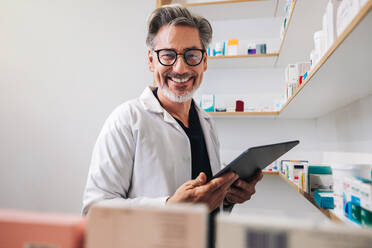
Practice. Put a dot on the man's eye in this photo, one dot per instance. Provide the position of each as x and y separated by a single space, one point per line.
191 56
168 56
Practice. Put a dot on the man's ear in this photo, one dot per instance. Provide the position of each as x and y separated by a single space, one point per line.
150 60
205 60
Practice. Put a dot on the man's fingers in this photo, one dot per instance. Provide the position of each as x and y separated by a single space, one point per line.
225 180
200 180
259 176
232 198
242 192
245 185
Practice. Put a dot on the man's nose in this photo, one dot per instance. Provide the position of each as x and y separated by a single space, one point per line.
180 65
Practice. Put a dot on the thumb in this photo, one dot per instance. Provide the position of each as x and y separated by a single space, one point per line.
200 180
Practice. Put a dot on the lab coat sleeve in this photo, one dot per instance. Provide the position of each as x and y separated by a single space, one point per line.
111 167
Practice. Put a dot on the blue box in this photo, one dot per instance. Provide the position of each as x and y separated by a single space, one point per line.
324 199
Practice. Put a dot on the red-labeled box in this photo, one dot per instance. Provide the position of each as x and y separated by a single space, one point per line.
20 229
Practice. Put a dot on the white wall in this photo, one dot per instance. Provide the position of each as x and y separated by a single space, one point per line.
64 66
348 129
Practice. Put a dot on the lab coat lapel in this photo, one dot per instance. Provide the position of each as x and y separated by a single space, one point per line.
211 140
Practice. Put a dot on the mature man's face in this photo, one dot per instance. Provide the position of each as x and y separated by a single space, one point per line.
179 80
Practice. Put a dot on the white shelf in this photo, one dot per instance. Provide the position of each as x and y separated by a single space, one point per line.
298 39
341 77
238 9
244 114
242 61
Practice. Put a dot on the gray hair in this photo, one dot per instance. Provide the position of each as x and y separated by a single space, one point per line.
173 15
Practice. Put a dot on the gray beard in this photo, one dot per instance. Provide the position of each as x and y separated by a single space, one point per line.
176 98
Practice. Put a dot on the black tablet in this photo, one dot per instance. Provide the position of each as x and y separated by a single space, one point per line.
256 158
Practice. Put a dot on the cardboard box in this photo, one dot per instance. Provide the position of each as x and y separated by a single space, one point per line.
170 226
20 229
272 231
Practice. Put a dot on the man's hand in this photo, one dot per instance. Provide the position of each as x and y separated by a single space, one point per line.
199 191
241 190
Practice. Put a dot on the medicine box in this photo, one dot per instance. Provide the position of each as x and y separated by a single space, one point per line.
207 103
21 229
291 74
319 177
365 194
324 199
355 188
297 172
346 196
331 20
346 11
177 225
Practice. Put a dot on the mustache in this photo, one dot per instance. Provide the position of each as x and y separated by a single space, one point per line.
179 76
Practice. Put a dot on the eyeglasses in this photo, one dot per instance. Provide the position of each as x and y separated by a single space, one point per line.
192 56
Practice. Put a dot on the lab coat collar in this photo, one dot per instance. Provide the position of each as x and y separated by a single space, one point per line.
149 101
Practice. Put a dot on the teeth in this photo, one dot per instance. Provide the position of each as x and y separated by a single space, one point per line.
178 80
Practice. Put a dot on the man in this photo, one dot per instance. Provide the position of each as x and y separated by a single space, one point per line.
161 148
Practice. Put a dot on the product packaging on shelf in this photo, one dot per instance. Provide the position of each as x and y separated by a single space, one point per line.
319 178
232 47
346 11
207 103
341 171
219 49
324 199
331 20
358 200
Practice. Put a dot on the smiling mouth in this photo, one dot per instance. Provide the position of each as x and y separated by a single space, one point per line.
180 83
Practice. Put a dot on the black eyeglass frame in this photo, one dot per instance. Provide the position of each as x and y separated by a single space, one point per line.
183 55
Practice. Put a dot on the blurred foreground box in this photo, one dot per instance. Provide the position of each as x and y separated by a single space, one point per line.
279 232
171 226
21 229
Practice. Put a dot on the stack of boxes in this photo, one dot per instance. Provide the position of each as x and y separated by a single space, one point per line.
294 76
318 181
358 200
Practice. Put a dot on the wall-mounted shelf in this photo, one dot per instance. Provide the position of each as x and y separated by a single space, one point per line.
270 172
233 9
329 213
297 43
242 61
342 74
244 114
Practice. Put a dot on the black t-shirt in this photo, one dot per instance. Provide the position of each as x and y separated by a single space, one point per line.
199 154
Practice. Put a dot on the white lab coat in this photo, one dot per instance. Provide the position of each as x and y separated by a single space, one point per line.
143 155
